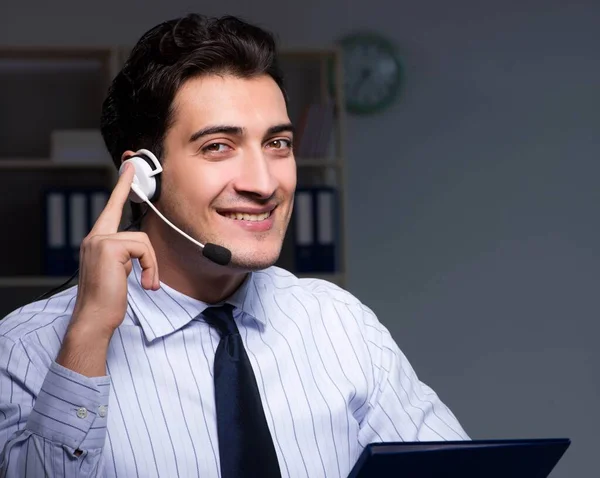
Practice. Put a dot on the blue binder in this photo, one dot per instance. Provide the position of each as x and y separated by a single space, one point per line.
69 215
316 231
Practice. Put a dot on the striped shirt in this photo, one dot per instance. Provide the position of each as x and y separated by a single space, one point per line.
331 379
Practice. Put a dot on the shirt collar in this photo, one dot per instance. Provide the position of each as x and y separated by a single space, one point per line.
166 310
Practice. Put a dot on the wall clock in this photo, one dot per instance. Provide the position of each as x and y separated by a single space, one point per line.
372 72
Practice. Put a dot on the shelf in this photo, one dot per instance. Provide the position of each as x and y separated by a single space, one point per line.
31 281
39 163
55 51
29 168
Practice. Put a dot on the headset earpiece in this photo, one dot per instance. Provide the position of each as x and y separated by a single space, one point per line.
147 175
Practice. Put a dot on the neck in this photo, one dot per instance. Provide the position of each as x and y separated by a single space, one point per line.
182 267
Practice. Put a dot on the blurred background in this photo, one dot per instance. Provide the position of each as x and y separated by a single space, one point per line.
466 202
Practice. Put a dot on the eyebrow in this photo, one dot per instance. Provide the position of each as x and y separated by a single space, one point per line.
220 129
281 128
239 131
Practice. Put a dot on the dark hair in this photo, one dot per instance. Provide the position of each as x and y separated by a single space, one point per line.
138 112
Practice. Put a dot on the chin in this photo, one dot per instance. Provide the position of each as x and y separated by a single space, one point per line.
253 260
251 264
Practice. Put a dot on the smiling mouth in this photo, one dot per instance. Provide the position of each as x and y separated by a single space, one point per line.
242 216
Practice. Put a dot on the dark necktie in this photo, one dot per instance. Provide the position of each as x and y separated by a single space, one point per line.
245 445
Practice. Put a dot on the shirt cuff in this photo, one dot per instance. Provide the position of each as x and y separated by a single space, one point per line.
71 409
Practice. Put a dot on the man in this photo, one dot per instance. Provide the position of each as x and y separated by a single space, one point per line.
119 375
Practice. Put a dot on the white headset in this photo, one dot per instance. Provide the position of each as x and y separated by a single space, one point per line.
146 184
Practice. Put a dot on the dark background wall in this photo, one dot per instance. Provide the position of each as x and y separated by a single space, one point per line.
476 236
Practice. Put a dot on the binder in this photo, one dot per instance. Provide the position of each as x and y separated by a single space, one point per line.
69 215
316 230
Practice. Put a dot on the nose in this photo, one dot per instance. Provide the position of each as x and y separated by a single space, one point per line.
255 178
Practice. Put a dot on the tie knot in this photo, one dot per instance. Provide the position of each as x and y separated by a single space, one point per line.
221 318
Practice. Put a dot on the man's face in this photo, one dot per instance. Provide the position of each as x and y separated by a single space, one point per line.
229 170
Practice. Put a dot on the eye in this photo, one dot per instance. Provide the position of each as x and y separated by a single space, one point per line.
281 143
215 148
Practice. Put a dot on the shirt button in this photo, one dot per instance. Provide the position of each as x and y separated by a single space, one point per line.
82 412
102 410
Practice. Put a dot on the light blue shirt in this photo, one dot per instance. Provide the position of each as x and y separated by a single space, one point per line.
330 376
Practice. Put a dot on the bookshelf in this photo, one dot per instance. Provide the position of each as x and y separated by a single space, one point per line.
50 88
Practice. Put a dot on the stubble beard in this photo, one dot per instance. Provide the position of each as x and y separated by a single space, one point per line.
243 258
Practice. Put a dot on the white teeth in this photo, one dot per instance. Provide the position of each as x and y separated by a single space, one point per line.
247 217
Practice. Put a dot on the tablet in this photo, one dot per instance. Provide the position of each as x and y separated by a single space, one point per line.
518 458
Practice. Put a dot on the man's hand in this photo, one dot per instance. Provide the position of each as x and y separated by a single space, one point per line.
105 264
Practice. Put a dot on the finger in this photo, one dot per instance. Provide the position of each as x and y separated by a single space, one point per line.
144 253
141 237
110 218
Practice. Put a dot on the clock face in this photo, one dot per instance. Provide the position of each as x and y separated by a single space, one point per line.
372 73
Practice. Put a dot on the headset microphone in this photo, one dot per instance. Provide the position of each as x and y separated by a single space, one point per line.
146 186
214 252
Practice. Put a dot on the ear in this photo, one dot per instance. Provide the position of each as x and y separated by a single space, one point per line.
126 155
